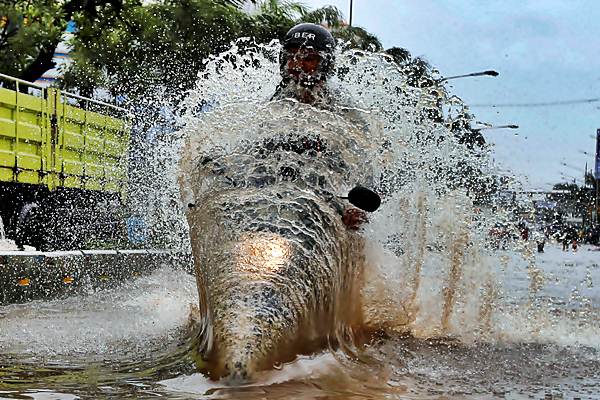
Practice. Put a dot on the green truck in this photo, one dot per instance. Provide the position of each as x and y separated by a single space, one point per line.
63 167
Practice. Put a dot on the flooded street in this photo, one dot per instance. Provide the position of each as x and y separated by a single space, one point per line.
132 342
346 229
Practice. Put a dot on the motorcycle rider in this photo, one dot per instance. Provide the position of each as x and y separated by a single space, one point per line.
306 62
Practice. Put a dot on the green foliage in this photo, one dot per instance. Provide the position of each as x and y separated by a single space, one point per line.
358 38
400 55
590 180
129 46
32 29
574 198
163 44
328 16
158 44
26 27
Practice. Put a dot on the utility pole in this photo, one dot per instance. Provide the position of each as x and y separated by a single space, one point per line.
597 172
351 4
587 222
596 183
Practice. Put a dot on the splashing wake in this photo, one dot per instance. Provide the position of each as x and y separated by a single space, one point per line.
458 317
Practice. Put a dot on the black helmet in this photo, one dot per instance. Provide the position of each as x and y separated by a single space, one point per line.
309 36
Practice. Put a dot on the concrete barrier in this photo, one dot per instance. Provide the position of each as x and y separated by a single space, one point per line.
31 275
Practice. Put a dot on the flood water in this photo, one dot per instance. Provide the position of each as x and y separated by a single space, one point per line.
457 318
134 342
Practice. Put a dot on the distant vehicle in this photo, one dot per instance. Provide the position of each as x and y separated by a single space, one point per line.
63 166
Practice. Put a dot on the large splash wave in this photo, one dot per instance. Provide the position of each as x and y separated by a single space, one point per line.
433 269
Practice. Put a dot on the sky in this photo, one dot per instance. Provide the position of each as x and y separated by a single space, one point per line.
545 51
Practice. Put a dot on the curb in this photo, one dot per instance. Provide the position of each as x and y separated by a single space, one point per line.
35 275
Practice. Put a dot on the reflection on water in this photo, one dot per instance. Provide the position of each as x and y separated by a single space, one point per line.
79 344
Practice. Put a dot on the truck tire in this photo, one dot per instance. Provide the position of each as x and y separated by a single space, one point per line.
30 229
2 229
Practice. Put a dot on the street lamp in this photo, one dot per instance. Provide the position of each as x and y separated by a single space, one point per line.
482 73
509 126
478 138
488 127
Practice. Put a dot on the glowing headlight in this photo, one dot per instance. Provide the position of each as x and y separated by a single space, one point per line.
260 253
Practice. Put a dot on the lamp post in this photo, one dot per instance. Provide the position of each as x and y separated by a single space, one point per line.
481 73
594 182
477 137
597 173
351 7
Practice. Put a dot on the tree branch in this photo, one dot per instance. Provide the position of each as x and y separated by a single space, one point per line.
42 63
6 33
44 60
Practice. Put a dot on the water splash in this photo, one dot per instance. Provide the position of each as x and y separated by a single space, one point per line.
460 315
432 268
101 324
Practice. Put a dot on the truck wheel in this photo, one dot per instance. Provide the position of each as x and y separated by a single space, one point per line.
30 227
2 229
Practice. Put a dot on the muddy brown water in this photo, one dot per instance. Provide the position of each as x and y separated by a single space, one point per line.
461 322
401 368
132 342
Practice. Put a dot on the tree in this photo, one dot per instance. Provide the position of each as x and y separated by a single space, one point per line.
358 38
591 180
26 29
31 31
461 127
574 199
400 55
155 45
163 44
128 46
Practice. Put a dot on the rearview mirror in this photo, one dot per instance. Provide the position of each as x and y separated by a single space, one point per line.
364 198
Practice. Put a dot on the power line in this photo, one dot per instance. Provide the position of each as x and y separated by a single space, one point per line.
544 104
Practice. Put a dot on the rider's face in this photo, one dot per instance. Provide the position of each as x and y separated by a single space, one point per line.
302 60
